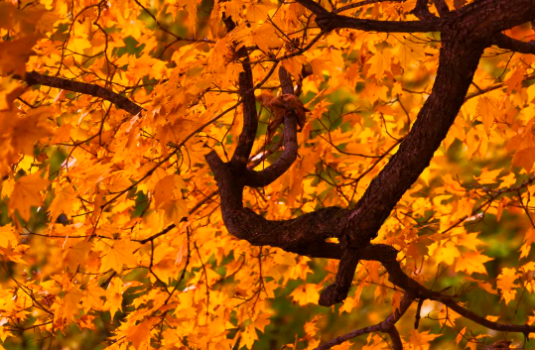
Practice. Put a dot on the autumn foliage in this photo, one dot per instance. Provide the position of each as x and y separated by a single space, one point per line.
239 174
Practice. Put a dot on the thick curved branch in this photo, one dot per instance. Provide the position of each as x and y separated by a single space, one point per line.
121 102
465 34
463 42
303 235
505 42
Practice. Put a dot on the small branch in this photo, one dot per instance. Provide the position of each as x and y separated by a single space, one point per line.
363 3
442 7
337 292
121 102
172 226
289 155
421 10
328 21
177 37
502 327
418 313
505 42
250 122
385 326
396 339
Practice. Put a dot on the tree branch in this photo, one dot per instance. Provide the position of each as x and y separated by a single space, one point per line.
121 102
385 326
508 43
363 3
284 162
328 21
464 37
442 7
463 42
421 10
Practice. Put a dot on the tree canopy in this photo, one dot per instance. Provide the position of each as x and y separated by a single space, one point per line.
239 174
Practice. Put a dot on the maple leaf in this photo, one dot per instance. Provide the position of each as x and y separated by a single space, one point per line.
420 340
488 110
26 194
305 293
506 284
93 296
529 238
114 296
248 337
139 334
472 262
67 308
77 255
30 129
8 236
62 202
10 89
15 55
117 254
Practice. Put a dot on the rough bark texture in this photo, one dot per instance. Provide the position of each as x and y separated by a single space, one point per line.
465 34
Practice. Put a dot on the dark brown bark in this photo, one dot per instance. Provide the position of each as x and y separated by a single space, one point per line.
505 42
121 102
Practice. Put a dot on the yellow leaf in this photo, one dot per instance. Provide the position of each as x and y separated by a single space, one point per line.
266 37
506 284
10 89
248 337
488 176
262 321
30 129
257 12
93 294
15 54
68 306
529 238
446 253
396 301
420 340
77 255
140 334
62 202
472 262
305 293
114 296
8 236
488 110
120 253
459 336
380 63
27 194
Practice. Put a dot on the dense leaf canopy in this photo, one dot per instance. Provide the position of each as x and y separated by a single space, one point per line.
238 174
